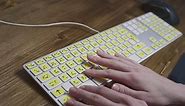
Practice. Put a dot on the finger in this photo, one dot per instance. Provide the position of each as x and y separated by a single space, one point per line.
111 63
90 98
118 76
104 54
73 102
128 91
105 92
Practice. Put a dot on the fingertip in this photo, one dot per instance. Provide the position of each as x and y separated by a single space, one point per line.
69 102
116 87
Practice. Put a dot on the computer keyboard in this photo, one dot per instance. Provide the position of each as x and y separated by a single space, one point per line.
136 39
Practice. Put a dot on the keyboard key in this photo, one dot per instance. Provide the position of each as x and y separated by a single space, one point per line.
75 82
104 48
55 71
79 69
117 50
82 50
63 67
71 64
106 39
120 40
148 50
83 77
139 46
154 46
100 41
45 67
134 57
127 44
79 60
141 54
111 52
58 92
40 61
126 53
64 77
63 99
110 45
85 41
72 73
88 47
57 54
71 47
53 63
68 56
153 39
122 46
61 59
95 44
53 83
36 71
48 57
64 50
45 76
31 65
114 42
75 53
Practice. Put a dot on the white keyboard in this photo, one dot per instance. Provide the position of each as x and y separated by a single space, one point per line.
136 39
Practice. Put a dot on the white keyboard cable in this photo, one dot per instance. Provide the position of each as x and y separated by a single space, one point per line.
49 25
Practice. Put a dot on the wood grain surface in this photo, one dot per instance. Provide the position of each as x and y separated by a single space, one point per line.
22 44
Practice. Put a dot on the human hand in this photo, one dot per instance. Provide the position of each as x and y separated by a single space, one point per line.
137 81
100 96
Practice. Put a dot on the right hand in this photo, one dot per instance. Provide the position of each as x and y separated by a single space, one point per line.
137 81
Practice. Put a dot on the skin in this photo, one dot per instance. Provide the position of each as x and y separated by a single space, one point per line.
135 84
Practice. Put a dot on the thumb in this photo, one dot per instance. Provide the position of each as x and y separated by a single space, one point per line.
128 91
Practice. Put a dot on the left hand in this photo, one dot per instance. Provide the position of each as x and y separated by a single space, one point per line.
100 96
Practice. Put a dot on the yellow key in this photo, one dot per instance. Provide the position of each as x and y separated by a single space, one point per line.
117 50
122 31
64 50
111 52
126 53
158 43
79 69
83 77
110 45
40 61
61 59
103 34
106 39
120 40
72 73
104 48
45 76
36 71
68 56
31 65
154 46
76 53
48 57
148 50
82 50
131 50
139 46
91 53
111 36
53 83
95 44
100 41
87 65
63 99
78 44
75 82
141 54
92 38
108 31
64 77
85 41
84 57
127 44
53 63
162 41
88 47
114 42
117 34
122 46
71 47
45 67
64 67
130 35
71 64
152 39
57 54
125 37
56 71
58 92
79 60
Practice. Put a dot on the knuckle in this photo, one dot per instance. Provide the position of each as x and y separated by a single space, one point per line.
100 89
95 97
108 72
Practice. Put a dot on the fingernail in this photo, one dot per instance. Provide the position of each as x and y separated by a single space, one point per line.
115 87
70 102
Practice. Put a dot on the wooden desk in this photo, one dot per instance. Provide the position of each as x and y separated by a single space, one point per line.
19 44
